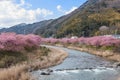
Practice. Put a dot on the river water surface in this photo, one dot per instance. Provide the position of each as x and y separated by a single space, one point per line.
81 66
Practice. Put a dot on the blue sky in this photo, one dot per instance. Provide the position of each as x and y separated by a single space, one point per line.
52 4
30 11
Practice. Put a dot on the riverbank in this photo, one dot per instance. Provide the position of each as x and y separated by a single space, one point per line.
107 54
21 71
80 66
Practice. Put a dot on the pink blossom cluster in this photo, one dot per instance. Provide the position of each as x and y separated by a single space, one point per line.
14 42
100 41
49 40
63 40
68 40
97 41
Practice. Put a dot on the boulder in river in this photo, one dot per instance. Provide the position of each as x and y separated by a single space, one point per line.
45 73
116 65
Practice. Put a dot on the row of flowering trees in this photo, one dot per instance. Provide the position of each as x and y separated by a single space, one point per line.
18 42
97 41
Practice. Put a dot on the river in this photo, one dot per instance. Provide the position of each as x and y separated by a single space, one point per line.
81 66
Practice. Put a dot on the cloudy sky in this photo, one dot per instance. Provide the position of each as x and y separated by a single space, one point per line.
14 12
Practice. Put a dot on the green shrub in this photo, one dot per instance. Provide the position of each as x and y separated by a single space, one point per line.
44 51
8 58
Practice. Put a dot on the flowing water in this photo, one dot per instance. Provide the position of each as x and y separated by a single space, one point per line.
81 66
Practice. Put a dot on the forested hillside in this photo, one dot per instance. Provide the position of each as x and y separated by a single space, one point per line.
87 21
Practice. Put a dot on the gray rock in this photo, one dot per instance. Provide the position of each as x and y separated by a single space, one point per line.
116 65
49 70
45 73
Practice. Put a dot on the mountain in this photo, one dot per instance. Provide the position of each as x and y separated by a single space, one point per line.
26 28
90 17
84 21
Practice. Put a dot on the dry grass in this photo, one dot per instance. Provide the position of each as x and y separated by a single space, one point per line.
21 71
54 57
106 54
110 55
18 72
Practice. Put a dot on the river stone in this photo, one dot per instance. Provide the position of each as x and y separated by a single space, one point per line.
49 70
116 65
45 73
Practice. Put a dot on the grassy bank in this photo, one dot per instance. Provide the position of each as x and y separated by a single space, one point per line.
37 59
108 54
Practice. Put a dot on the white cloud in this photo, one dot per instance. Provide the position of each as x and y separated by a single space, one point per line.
59 8
24 4
12 13
72 9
